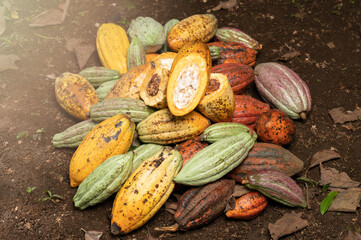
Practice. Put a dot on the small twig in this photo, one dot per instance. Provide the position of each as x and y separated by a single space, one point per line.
45 37
307 197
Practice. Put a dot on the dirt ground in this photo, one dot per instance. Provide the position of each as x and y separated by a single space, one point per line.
326 33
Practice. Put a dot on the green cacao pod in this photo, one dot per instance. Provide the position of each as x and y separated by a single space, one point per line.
216 160
167 27
277 186
136 53
143 152
149 31
134 108
222 130
104 88
73 135
99 75
105 180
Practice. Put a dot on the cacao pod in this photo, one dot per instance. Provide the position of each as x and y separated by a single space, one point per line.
99 75
248 206
233 52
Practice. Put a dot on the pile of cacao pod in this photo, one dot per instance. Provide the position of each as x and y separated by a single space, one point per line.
169 106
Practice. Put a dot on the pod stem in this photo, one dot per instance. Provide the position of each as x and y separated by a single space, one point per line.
244 182
172 228
303 115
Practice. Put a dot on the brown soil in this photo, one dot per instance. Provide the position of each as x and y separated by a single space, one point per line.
326 33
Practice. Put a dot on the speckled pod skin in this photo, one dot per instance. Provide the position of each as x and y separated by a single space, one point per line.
196 28
275 127
162 127
277 186
145 191
248 206
283 88
75 95
111 137
199 206
264 156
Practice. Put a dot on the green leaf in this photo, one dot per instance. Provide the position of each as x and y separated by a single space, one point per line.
325 187
307 180
327 201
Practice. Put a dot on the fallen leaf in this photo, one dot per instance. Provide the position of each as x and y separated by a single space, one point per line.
336 179
289 56
351 235
82 50
7 62
339 115
323 156
52 16
224 5
239 190
346 201
92 235
2 20
331 45
171 207
289 223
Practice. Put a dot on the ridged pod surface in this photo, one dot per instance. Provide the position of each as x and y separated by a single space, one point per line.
240 76
145 191
196 28
154 88
218 131
218 103
99 75
233 52
105 180
277 186
199 206
190 147
143 152
112 46
136 53
129 83
283 88
104 88
248 206
216 160
228 34
264 156
188 78
162 127
75 94
111 137
73 135
248 109
167 27
134 108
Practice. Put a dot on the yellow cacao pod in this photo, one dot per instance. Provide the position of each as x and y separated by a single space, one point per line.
75 95
218 103
196 28
112 46
162 127
112 136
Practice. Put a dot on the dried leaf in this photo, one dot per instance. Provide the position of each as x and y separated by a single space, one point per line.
8 62
2 20
323 156
336 179
83 52
289 56
347 201
331 45
92 235
224 5
289 223
351 235
339 115
171 207
239 190
50 17
327 201
72 43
